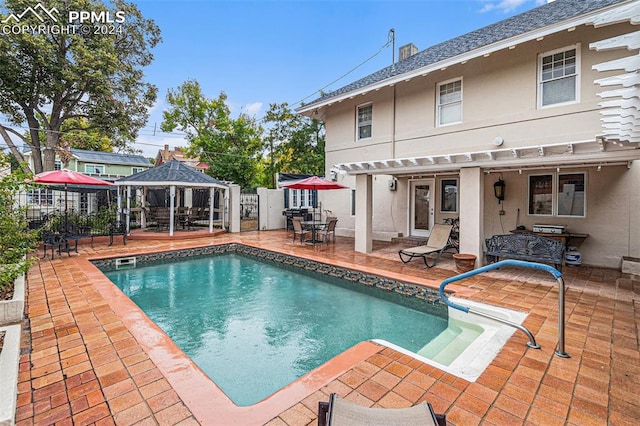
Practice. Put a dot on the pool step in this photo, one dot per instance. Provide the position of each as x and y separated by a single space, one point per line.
451 342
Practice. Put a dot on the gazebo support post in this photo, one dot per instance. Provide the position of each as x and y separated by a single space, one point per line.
128 210
172 206
212 198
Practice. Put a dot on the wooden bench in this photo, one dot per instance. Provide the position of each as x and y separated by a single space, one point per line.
530 247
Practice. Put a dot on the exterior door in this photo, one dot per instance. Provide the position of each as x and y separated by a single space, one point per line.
422 207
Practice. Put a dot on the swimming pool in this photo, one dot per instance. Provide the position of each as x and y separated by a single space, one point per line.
254 326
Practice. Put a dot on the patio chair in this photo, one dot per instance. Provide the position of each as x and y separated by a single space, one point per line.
195 215
329 232
436 244
118 228
338 412
298 231
54 241
163 218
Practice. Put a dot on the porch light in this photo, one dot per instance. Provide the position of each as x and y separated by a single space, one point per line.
498 190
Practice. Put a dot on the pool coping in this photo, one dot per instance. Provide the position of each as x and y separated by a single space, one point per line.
199 392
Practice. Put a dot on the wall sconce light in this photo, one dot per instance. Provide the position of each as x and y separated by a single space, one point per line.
498 190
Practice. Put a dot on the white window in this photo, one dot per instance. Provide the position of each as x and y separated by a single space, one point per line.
364 121
449 196
96 169
40 197
558 77
57 165
135 170
449 102
300 198
558 194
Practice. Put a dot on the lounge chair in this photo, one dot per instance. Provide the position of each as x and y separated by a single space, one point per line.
338 412
436 244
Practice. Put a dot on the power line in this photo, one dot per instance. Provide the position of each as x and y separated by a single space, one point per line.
152 130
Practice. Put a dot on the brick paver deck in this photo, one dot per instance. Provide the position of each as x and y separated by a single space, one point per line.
81 363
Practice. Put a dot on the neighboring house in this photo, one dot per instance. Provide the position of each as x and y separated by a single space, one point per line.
107 166
166 155
545 101
102 165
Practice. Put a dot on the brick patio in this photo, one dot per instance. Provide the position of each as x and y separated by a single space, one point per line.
81 362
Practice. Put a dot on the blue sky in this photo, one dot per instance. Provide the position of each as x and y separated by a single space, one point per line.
273 51
261 52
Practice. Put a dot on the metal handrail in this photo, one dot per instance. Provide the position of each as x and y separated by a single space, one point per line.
532 341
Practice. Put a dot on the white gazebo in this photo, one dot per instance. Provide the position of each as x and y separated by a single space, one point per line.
173 174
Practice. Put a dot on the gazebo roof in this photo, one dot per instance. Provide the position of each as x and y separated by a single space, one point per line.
173 173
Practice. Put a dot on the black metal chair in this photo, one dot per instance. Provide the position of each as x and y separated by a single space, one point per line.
54 241
118 228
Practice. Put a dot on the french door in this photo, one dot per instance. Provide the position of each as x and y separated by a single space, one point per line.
421 212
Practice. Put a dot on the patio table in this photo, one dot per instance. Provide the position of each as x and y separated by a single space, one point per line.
314 226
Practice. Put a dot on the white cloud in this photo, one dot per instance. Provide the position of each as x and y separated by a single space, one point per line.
506 6
150 145
253 109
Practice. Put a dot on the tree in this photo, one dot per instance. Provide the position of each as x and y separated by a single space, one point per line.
295 143
51 78
230 146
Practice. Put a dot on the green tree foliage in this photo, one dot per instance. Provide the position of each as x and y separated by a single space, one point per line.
295 144
15 240
230 146
51 78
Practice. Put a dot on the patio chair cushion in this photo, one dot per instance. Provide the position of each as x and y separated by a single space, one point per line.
341 412
437 243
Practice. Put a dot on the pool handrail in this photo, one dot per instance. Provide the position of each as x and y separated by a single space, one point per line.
509 262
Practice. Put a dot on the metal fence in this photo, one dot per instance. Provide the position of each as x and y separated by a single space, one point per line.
249 212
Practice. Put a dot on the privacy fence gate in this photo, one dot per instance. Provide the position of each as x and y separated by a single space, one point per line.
249 211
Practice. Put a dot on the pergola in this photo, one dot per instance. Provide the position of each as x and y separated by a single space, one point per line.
173 174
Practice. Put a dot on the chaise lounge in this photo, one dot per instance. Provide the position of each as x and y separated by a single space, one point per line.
338 412
436 244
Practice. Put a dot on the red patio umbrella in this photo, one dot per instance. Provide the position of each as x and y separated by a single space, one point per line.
314 183
68 177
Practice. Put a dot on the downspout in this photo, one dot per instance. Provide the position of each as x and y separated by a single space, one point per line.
393 124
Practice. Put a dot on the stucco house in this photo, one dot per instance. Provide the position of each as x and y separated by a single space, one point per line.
545 102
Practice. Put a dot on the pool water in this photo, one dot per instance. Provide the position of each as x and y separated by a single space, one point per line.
254 327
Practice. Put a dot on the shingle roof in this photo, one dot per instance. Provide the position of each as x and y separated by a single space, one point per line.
172 173
110 158
534 19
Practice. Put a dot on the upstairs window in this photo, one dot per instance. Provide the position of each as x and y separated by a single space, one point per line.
449 102
364 121
94 169
558 77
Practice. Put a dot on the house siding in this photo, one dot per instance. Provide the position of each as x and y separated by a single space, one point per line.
499 99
